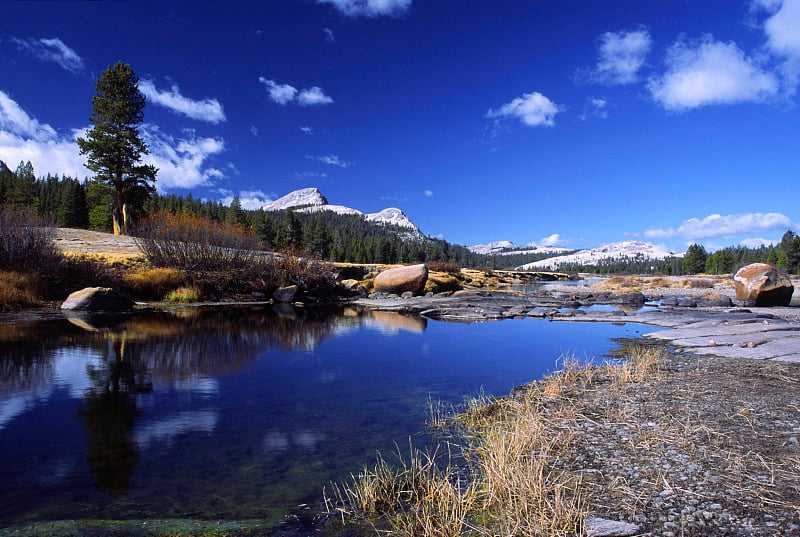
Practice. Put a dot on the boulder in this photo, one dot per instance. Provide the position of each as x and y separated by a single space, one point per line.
285 294
97 299
399 280
764 285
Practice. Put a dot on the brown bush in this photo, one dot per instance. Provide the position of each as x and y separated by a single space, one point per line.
444 266
191 243
26 243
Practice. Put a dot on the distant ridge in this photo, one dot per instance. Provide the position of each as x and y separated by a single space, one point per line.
311 200
614 250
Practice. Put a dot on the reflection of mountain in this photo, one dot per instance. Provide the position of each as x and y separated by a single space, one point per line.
172 347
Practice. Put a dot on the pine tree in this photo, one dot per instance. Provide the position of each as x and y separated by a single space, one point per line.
694 260
114 145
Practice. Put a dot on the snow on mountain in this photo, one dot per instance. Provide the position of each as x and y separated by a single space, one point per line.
392 216
615 250
491 248
311 200
497 247
298 198
338 209
553 250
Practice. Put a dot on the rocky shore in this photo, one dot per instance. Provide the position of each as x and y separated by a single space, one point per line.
706 445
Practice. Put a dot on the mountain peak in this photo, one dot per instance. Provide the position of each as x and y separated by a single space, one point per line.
299 198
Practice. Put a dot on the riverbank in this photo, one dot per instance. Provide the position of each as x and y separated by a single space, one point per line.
660 443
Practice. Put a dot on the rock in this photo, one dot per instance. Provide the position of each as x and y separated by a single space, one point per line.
350 284
97 299
631 298
399 280
601 527
764 285
687 303
285 294
407 294
713 300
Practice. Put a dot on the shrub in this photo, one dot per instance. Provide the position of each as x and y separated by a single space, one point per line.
191 243
444 266
26 243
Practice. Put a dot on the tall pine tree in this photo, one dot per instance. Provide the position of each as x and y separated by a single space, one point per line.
114 145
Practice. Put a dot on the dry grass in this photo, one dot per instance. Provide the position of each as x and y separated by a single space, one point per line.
515 450
19 290
183 295
154 282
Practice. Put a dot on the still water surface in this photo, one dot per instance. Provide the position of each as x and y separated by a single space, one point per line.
238 413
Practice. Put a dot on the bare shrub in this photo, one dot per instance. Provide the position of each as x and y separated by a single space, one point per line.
26 243
190 243
444 266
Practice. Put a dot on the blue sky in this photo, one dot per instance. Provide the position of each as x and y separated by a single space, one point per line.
571 124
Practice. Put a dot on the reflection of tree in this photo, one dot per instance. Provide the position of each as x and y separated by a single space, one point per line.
109 416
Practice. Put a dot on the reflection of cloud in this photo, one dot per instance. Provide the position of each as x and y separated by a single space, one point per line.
204 421
275 441
67 369
200 385
278 441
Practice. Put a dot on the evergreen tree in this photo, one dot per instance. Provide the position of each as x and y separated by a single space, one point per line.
694 260
114 145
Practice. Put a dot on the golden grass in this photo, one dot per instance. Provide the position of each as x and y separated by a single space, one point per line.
18 290
126 261
514 448
154 282
183 295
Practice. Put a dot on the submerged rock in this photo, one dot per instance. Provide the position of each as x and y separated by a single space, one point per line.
764 285
97 299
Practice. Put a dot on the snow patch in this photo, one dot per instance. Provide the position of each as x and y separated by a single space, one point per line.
614 250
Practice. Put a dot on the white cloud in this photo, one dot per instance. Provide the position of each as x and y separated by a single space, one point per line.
622 54
304 175
24 138
181 162
332 160
253 130
428 193
313 96
533 109
369 8
783 37
279 93
731 225
51 50
249 199
329 35
757 242
595 107
285 93
710 72
209 110
551 241
307 130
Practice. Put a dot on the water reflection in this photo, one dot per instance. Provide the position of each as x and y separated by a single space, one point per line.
232 413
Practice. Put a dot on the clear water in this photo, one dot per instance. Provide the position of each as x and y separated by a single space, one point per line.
238 414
